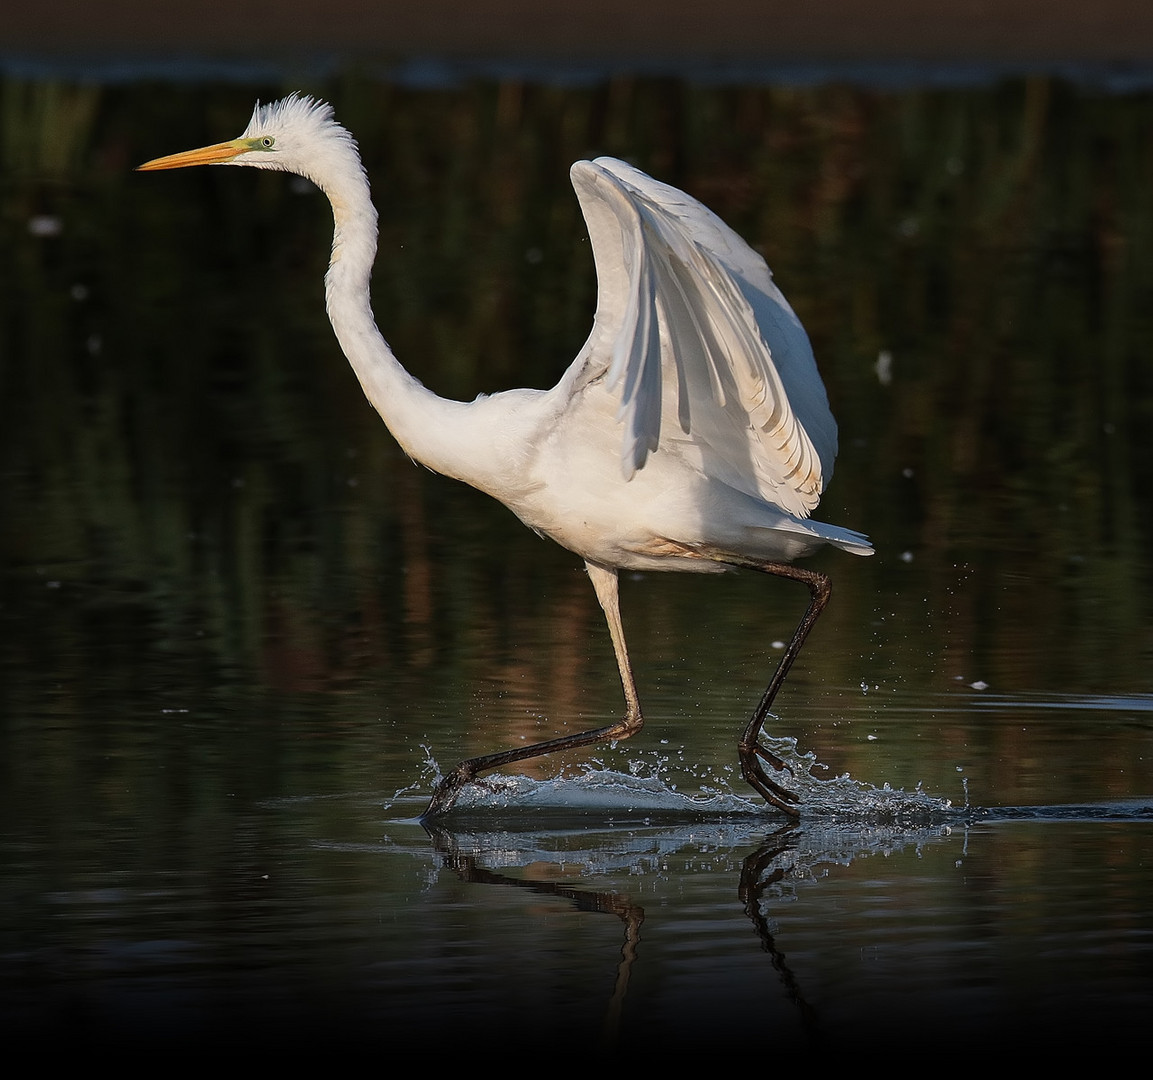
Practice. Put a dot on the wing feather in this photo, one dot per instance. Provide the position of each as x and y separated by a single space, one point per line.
690 325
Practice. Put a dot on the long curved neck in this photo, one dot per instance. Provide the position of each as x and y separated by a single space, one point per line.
419 420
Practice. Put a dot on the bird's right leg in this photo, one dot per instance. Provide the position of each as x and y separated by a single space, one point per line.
606 585
753 755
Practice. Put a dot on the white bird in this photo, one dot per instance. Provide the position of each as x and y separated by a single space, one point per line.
692 432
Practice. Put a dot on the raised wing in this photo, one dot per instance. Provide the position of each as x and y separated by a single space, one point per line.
689 321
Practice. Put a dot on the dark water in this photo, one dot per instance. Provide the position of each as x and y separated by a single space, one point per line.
239 632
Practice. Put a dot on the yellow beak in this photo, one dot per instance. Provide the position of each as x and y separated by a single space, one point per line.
216 154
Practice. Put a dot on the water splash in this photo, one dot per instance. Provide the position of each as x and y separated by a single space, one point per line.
648 791
842 798
596 790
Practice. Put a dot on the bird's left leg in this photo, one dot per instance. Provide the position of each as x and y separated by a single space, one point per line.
604 581
753 755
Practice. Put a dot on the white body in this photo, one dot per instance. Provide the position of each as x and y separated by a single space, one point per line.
692 431
692 428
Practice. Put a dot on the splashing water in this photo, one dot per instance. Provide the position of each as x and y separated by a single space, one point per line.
844 799
647 789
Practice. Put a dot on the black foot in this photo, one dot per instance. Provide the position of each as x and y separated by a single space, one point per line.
448 789
755 776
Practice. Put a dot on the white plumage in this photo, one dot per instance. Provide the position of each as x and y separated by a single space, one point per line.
692 432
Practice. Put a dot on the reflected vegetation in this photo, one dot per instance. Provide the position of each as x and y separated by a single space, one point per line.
222 587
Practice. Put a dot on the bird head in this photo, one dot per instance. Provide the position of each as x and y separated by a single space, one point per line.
298 134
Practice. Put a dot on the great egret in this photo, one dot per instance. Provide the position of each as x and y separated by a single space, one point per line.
692 432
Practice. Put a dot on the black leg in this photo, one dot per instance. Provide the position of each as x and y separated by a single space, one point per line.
753 755
605 582
469 769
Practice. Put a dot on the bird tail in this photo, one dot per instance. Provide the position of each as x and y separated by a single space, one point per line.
845 539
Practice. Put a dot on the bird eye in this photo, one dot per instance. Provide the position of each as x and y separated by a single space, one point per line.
267 142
